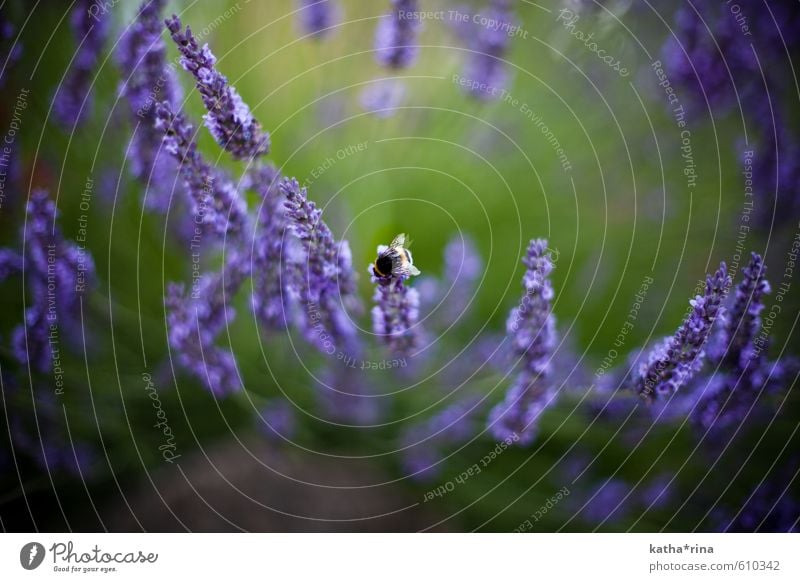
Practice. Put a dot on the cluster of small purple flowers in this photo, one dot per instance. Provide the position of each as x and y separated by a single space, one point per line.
728 56
147 80
317 17
488 40
228 119
672 363
56 274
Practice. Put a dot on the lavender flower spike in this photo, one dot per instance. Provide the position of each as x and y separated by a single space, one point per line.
485 67
316 17
146 81
326 282
395 315
56 273
195 321
396 35
424 442
215 199
734 345
228 119
673 363
531 330
271 295
73 97
464 266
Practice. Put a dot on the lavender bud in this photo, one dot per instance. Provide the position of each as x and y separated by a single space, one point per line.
489 44
317 17
10 264
396 35
73 98
462 267
423 442
278 420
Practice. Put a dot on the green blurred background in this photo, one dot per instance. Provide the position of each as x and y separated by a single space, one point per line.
444 163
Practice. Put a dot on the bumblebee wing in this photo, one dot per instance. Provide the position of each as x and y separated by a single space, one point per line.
413 271
398 241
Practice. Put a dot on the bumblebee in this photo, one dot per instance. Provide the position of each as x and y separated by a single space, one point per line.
394 260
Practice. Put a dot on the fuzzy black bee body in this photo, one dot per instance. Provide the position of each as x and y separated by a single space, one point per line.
394 260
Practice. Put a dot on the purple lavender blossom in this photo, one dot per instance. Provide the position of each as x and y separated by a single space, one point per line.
215 199
277 420
147 80
10 264
317 17
272 293
228 119
743 377
463 268
73 98
196 319
531 330
56 274
345 396
326 281
396 35
423 442
396 314
382 98
703 60
672 363
769 508
608 503
733 345
775 160
488 45
13 53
